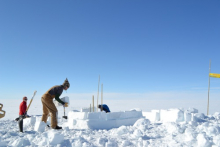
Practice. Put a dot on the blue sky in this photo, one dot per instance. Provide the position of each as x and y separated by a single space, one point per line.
138 47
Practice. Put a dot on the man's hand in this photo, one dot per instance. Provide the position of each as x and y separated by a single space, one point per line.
65 105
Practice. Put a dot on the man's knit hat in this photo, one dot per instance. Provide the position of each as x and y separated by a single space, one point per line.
66 83
24 98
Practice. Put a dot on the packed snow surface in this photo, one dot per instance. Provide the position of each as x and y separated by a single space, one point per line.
158 128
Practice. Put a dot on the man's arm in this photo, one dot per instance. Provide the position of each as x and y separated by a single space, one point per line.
57 97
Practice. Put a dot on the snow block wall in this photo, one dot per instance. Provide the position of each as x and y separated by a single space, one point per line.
102 120
173 115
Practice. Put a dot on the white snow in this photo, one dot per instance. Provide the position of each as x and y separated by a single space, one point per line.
175 127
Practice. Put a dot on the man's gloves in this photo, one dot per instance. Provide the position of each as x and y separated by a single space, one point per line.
65 105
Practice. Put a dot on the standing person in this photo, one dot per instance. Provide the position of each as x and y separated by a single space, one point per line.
22 113
48 105
104 107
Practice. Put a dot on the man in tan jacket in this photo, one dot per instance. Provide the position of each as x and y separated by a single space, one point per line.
48 105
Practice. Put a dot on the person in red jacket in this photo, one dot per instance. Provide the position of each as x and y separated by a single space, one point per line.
23 106
22 113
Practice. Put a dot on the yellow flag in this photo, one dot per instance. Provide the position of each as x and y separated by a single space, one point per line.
214 75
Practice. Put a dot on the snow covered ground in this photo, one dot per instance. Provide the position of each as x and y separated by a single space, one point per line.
174 128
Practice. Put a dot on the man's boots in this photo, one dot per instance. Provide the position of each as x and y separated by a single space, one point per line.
58 128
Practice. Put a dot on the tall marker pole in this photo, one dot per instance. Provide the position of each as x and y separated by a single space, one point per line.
102 98
209 87
98 96
93 102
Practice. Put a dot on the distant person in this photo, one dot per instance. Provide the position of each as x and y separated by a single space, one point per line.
104 107
22 113
48 105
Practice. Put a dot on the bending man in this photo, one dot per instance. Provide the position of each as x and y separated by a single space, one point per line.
104 107
48 105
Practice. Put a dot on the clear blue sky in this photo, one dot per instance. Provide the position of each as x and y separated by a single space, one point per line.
135 46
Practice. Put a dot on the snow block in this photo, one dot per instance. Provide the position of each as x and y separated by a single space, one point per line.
198 117
189 113
28 122
102 120
172 115
153 116
113 115
39 125
77 115
55 137
187 116
126 122
64 99
131 114
93 115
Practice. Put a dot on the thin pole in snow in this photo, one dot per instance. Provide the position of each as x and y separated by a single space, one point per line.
93 102
98 95
209 87
102 98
